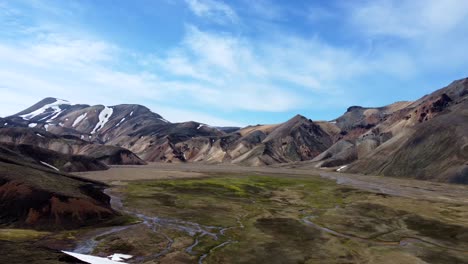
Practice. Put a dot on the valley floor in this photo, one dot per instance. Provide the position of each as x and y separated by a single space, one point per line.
191 213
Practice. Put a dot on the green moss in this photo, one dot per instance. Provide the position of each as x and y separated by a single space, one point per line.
21 234
271 210
437 230
124 219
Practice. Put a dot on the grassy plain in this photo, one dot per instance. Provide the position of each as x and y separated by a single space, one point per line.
286 219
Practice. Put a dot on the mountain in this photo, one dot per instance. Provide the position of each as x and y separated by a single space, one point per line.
88 130
424 139
297 139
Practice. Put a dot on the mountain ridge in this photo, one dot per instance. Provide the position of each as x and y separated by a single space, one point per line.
351 139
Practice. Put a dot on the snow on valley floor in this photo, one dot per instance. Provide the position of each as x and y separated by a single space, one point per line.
112 259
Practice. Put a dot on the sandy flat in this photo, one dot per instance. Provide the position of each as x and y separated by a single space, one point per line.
434 191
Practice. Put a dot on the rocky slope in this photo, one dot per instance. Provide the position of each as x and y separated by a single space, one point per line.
34 196
421 139
424 139
153 138
52 159
295 140
68 145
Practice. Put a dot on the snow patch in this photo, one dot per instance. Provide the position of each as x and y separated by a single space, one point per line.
39 135
104 117
95 260
123 119
46 126
6 124
131 113
342 168
32 125
120 257
50 166
200 126
82 136
55 108
79 119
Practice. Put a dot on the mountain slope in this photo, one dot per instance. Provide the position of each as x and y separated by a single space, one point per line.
429 141
68 145
53 159
153 138
411 139
295 140
34 196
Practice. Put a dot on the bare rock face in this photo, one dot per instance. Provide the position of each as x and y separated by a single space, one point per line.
295 140
423 140
34 196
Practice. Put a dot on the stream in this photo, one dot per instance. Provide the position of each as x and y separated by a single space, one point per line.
404 241
156 224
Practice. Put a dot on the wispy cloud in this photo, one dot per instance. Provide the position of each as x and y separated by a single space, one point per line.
414 36
220 70
215 10
243 66
409 19
81 70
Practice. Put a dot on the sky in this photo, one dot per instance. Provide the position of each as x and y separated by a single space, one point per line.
230 63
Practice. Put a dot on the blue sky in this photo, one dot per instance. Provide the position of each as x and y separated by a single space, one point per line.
230 62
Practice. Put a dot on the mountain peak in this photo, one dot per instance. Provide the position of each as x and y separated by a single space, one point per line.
353 108
297 118
42 107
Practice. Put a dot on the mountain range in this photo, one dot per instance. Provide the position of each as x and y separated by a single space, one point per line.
423 139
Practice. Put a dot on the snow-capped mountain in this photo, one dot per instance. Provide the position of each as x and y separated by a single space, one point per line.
397 139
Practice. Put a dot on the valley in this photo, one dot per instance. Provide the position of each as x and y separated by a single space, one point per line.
233 214
233 132
121 184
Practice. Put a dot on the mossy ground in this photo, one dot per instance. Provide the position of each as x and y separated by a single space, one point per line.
10 234
266 219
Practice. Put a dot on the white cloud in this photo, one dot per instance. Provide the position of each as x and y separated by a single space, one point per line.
409 18
217 11
224 72
413 36
81 71
239 63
